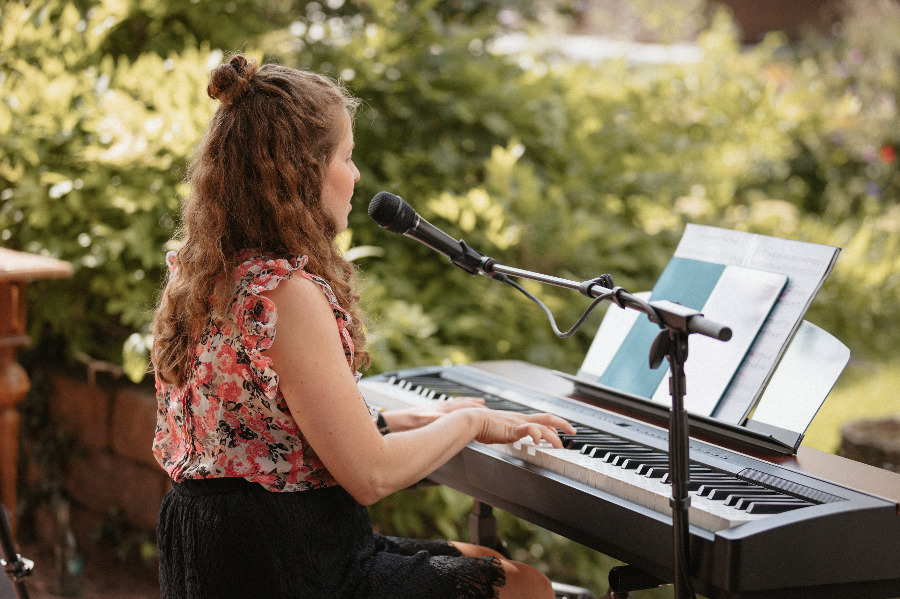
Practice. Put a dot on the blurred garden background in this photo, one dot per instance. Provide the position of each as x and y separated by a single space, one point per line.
509 124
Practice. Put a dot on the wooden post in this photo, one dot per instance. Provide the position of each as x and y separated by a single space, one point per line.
16 269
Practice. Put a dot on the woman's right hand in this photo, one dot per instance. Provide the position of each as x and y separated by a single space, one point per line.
498 426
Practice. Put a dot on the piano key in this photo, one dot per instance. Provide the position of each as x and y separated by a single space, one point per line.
737 490
745 503
593 441
652 471
612 453
644 491
624 468
718 491
773 507
733 496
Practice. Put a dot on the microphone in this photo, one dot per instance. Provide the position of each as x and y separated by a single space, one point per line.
395 215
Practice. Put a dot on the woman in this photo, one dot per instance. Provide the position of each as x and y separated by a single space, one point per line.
272 450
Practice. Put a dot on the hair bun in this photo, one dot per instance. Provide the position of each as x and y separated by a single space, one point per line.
229 82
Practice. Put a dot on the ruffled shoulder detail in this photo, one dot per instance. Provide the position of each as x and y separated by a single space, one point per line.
172 261
254 312
256 315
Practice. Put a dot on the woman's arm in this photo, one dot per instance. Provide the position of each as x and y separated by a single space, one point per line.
319 389
405 419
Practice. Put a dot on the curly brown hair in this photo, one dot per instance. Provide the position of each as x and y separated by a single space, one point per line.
256 182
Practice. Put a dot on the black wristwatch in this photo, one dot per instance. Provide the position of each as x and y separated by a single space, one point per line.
381 423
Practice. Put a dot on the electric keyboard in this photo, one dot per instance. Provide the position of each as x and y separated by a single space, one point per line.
761 526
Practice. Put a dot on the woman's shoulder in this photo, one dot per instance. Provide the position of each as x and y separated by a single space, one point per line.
298 289
261 273
271 291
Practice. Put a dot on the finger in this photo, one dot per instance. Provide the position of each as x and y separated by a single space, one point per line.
545 435
567 428
555 422
563 425
553 438
541 434
479 400
467 402
533 431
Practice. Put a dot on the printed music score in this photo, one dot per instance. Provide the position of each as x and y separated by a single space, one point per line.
806 266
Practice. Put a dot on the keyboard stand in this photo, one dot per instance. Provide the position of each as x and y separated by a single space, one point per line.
483 528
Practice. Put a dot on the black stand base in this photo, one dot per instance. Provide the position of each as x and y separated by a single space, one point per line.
16 567
624 579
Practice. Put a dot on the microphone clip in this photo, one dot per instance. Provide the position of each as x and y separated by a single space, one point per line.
472 261
586 287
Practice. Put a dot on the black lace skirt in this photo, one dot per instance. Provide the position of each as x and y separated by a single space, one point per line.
222 538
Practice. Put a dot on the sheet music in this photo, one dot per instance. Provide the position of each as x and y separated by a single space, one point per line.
805 264
805 376
742 300
613 328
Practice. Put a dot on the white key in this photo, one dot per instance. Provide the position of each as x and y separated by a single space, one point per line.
593 472
648 492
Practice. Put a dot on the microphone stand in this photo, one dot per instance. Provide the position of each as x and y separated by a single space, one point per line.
676 322
16 566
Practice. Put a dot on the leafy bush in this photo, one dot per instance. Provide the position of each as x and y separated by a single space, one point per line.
93 151
576 170
570 170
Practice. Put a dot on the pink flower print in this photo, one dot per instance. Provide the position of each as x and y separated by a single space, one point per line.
227 360
203 374
228 391
234 465
295 456
288 425
257 449
232 421
210 419
257 425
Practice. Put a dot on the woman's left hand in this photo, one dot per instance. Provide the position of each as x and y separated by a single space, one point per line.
409 418
458 403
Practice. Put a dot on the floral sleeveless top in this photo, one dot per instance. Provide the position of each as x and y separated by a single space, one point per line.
230 419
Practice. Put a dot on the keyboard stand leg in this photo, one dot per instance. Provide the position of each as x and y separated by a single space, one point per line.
483 528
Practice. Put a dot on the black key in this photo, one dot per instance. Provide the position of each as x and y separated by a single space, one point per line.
721 491
733 497
651 471
637 464
774 507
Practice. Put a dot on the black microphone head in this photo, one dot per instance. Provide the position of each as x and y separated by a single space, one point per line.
392 213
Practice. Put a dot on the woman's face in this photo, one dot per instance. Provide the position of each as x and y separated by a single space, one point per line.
340 177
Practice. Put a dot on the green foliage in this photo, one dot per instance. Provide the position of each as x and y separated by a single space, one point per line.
573 170
619 157
505 152
93 152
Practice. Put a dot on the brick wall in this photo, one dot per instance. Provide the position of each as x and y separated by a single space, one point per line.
111 465
756 18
